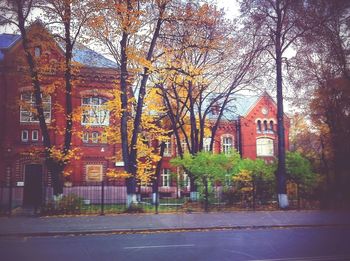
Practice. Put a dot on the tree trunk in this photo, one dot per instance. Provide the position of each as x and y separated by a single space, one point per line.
206 193
281 169
56 170
155 181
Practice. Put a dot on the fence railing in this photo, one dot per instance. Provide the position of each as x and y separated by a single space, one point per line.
110 197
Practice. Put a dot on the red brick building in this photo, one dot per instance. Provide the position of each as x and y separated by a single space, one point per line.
251 130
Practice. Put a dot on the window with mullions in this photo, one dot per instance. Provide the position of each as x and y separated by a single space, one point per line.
184 145
206 144
264 147
167 149
28 112
185 180
166 178
227 143
95 137
85 137
95 111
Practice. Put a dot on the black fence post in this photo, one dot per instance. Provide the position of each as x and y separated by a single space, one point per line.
253 181
298 195
157 202
102 197
10 197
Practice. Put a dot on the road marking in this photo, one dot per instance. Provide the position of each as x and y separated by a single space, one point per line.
307 258
160 246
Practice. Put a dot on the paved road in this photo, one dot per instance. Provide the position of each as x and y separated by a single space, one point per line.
322 243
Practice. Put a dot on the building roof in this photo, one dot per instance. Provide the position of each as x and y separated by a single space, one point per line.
7 40
240 105
90 58
81 53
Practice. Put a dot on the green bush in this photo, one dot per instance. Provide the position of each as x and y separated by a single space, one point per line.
68 204
134 208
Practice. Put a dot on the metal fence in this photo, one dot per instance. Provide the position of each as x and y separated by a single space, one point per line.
110 197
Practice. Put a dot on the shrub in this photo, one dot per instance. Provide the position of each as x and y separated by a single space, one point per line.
134 208
68 204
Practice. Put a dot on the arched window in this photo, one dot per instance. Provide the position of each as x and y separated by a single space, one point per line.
258 126
95 111
28 111
264 147
271 126
265 125
37 51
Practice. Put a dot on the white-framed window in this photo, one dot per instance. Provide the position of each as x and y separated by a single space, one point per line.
24 135
166 178
264 147
94 172
206 144
186 180
227 144
167 149
35 135
85 137
95 111
184 145
228 180
94 137
28 111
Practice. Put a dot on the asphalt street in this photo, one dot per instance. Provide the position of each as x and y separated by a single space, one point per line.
324 243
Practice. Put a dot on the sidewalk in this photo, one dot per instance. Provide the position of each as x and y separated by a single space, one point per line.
129 223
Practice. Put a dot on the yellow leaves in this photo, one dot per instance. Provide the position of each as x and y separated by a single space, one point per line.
114 174
58 154
243 176
67 172
139 60
77 114
245 179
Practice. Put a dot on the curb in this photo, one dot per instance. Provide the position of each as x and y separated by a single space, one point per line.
165 230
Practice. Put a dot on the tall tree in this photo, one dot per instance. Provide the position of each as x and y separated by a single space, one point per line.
322 68
130 30
197 76
70 16
279 23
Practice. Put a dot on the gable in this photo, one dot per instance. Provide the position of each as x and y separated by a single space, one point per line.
81 54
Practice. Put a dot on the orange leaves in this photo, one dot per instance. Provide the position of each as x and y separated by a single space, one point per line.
128 15
59 155
114 174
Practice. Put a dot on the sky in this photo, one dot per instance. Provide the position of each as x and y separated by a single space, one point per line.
231 7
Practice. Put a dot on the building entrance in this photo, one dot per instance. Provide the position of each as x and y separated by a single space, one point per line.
32 194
